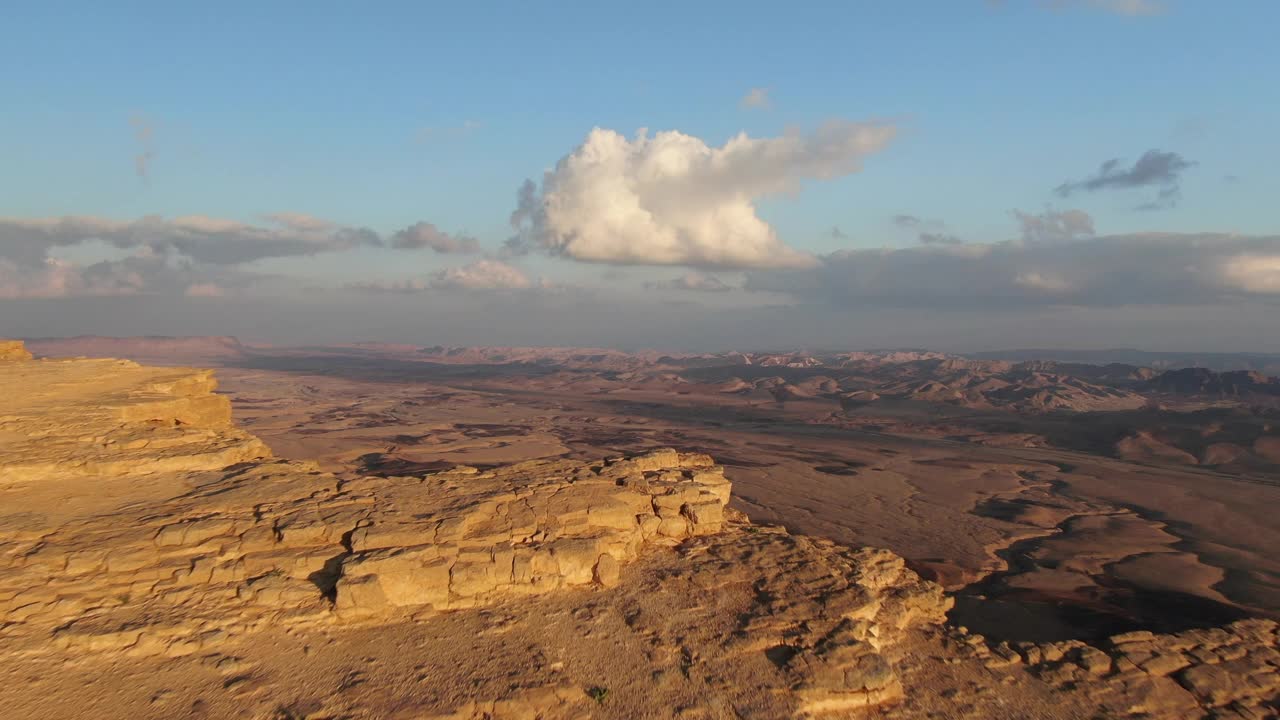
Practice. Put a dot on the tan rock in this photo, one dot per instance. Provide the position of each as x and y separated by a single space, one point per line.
166 538
13 350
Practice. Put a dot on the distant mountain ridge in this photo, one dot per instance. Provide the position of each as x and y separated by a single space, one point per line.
150 348
1028 380
1268 363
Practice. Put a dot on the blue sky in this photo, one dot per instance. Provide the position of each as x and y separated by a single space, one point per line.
408 112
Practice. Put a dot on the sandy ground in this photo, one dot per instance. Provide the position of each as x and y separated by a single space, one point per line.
1174 542
129 592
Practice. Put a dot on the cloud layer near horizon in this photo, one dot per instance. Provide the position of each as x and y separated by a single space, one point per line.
196 255
1048 268
670 199
483 274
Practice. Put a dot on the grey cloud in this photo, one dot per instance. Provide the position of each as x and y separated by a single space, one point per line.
146 272
143 132
1109 271
164 256
389 286
756 98
1054 225
906 221
693 282
426 235
1130 8
199 246
485 274
1154 169
203 239
837 234
938 239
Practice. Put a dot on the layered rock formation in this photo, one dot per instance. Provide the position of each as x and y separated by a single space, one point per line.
157 562
185 535
112 418
13 350
461 538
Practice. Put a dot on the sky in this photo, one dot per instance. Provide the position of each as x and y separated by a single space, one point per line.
954 174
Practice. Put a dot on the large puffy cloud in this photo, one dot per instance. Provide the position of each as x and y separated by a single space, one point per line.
671 199
1105 271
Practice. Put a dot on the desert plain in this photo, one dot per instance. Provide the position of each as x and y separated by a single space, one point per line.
427 532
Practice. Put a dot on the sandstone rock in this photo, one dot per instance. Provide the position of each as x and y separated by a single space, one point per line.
112 418
531 527
164 535
13 350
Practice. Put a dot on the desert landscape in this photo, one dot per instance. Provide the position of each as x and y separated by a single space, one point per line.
912 360
401 531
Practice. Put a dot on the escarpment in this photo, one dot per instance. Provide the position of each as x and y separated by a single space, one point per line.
159 560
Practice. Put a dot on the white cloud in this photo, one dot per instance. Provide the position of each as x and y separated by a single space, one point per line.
1035 280
1254 273
671 199
484 274
756 98
300 221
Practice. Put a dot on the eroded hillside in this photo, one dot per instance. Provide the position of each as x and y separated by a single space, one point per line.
156 561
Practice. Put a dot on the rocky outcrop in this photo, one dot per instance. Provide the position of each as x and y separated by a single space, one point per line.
278 541
13 350
463 538
111 418
184 536
141 530
1229 672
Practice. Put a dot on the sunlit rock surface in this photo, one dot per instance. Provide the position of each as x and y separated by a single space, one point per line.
157 562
